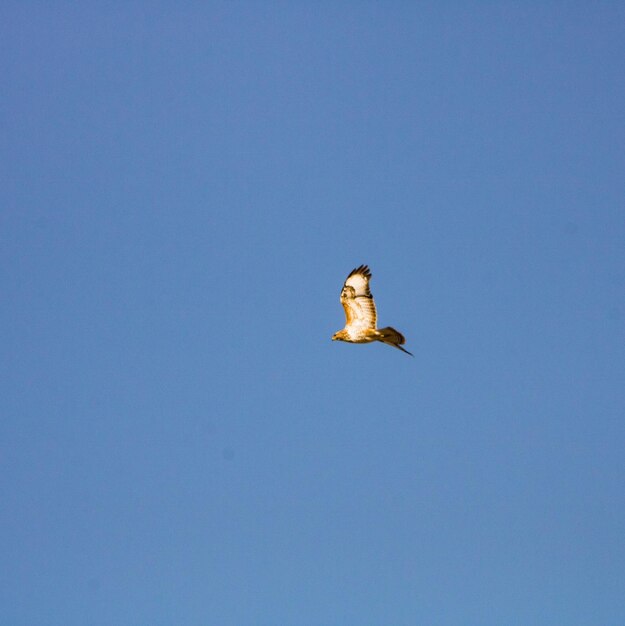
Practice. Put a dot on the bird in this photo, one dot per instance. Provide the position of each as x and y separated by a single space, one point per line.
361 315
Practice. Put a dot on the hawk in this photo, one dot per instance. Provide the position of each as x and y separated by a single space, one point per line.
359 306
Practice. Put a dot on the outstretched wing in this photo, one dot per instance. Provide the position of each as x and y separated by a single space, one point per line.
357 299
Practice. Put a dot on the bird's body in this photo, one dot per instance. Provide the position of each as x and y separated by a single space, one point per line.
361 314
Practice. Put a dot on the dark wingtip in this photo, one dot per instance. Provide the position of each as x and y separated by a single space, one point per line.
362 269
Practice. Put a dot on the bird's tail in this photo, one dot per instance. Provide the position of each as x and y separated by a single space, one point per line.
392 337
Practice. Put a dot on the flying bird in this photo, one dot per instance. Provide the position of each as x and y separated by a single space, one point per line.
361 315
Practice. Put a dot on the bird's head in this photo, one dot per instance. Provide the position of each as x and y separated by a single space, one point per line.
339 336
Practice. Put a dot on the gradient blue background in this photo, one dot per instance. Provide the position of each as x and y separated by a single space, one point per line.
184 191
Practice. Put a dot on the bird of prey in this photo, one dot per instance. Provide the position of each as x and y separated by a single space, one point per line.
359 306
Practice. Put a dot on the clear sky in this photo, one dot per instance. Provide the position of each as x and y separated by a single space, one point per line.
184 191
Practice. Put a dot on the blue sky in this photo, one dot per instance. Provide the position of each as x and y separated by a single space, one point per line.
185 190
